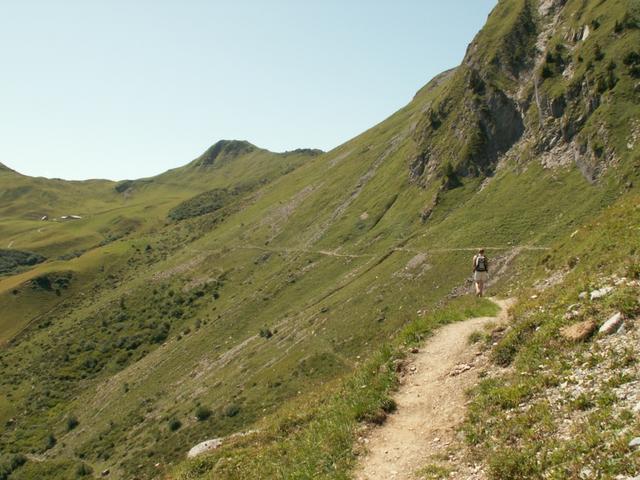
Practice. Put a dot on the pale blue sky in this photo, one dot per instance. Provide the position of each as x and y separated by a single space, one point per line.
125 89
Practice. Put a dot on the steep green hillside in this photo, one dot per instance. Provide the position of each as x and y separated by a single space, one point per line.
251 290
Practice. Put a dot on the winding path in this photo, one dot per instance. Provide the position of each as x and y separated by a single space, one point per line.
431 404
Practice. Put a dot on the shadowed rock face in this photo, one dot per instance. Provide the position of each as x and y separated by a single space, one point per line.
492 124
501 126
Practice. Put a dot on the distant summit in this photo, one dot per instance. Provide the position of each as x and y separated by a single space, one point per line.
222 152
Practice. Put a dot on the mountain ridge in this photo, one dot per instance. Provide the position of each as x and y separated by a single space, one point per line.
226 148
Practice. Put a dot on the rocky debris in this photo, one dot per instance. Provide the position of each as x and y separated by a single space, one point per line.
573 311
635 442
209 445
612 325
571 314
579 332
583 295
593 371
414 268
204 447
600 292
458 369
556 278
398 365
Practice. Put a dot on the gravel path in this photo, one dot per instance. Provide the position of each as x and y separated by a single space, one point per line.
431 404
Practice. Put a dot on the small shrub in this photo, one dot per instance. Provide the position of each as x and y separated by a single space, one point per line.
475 337
266 333
83 470
599 54
451 179
231 410
389 405
632 61
175 424
202 413
50 441
511 463
434 472
72 422
582 402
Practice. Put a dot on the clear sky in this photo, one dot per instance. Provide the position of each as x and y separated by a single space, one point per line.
125 89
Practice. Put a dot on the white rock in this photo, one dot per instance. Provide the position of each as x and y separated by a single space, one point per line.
612 325
583 295
204 447
586 472
635 442
601 292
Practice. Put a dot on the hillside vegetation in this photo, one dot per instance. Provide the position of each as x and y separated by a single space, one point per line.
264 297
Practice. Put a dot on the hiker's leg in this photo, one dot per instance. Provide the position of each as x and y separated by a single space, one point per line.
480 288
477 285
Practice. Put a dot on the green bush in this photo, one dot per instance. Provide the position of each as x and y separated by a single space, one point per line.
10 260
9 464
72 422
232 410
50 441
512 463
202 413
175 424
83 470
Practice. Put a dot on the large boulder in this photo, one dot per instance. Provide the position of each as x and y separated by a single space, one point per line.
600 292
204 447
612 324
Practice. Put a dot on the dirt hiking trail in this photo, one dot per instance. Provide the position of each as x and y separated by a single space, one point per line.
430 405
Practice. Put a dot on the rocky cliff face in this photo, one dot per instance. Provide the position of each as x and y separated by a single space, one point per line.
555 77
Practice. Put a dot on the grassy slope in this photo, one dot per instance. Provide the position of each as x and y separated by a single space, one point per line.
527 442
107 215
327 258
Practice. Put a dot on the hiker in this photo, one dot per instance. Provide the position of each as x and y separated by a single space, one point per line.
480 271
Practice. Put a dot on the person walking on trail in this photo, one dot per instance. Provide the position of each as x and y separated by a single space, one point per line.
480 271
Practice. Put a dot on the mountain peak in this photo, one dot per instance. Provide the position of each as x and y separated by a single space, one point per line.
223 151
